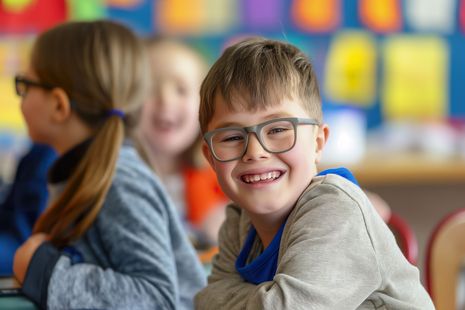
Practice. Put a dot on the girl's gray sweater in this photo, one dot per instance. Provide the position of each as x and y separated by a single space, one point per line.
134 256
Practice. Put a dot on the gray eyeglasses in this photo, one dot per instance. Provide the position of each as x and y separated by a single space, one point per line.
275 136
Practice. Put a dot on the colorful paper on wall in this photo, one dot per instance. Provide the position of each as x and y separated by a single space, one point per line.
34 16
316 15
10 116
415 78
431 15
262 14
381 16
220 16
350 75
86 10
196 17
179 16
14 55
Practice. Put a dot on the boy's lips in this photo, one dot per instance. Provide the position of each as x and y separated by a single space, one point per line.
261 177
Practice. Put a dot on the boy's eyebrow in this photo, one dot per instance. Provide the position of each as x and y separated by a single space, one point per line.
268 117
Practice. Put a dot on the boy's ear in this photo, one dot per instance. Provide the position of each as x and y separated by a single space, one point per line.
321 138
61 105
207 154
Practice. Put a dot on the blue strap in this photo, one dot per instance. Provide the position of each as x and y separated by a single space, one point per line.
341 171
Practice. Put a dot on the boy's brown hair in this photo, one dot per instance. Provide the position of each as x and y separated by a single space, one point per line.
263 72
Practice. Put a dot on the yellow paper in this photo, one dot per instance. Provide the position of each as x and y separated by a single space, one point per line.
10 113
415 77
350 75
14 55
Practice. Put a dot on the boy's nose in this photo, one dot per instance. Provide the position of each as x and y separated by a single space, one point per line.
255 150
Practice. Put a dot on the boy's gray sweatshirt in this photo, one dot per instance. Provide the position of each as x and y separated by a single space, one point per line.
134 256
335 253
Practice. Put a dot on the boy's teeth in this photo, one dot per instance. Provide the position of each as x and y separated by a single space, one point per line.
261 177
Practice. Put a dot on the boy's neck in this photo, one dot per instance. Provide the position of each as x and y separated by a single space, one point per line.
267 226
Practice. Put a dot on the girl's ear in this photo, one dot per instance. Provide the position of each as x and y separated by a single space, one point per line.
321 138
61 105
208 156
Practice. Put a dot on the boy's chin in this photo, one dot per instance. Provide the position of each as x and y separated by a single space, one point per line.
262 207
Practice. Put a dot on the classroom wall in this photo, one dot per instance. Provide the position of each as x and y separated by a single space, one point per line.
379 62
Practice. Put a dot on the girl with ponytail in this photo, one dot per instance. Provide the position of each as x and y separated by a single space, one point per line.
109 237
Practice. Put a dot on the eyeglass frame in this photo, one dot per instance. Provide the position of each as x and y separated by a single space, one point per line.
256 129
28 83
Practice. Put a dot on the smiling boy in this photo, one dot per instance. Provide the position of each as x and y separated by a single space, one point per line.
291 239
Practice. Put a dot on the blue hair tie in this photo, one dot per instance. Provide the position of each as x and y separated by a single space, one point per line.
116 112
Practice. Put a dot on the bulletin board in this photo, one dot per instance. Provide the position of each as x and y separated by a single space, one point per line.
389 58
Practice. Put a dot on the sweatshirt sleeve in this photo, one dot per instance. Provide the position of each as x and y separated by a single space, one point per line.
133 229
328 262
226 288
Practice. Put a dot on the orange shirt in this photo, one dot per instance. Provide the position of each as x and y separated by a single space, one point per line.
203 193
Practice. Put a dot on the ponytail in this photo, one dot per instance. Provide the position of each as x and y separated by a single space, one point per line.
105 73
71 214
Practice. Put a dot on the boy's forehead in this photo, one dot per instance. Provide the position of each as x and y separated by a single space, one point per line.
246 113
242 102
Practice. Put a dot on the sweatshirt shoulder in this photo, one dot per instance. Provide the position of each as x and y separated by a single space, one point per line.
334 188
130 165
135 185
333 194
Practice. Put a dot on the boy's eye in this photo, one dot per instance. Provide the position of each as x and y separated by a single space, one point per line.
236 138
277 130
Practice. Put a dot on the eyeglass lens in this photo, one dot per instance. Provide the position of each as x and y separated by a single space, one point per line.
21 87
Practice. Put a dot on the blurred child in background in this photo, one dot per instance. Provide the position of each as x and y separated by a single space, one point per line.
170 134
109 238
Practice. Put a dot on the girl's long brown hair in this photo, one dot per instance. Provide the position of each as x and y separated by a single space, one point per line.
101 65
